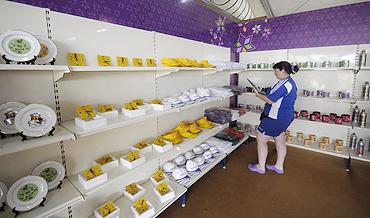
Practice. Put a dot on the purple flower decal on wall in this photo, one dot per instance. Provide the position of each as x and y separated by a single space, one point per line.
244 44
218 32
266 32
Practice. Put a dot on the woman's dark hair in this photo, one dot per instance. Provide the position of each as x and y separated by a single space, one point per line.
290 69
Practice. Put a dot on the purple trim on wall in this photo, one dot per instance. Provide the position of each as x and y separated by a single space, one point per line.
188 20
343 25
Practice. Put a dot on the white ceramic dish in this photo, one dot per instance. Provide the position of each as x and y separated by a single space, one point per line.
53 172
3 192
35 120
27 193
8 111
48 50
19 45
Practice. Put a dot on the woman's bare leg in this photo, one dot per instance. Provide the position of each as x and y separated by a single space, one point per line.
281 150
262 150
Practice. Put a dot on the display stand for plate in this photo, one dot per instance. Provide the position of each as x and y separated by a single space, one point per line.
2 135
2 208
182 200
24 137
60 185
16 212
32 61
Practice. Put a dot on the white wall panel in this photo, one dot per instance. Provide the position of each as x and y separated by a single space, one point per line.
17 165
215 53
263 56
117 88
92 37
118 142
175 47
333 54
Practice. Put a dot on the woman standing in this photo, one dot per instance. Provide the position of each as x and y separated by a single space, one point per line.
277 115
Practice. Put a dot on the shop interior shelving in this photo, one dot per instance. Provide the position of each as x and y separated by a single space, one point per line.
57 70
232 148
308 69
12 144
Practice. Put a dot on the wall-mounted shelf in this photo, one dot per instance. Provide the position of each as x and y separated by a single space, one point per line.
56 201
58 70
15 144
310 69
314 147
232 148
365 157
122 120
151 158
125 205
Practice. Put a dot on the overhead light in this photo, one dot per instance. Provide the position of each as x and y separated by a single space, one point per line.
101 30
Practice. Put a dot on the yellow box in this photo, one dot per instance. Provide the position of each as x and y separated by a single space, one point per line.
150 62
76 59
138 62
104 60
122 61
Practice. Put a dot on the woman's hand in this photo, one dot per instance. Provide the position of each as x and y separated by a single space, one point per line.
261 96
255 91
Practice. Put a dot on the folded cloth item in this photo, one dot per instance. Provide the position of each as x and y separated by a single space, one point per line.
220 91
228 137
184 98
191 166
199 160
218 115
235 132
193 96
205 146
207 155
180 160
203 92
198 150
237 90
168 167
219 144
179 173
189 155
213 150
171 100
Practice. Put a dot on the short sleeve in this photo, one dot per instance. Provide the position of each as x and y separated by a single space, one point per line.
275 95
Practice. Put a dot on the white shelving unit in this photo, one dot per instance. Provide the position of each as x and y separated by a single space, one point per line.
56 200
309 69
365 157
14 144
57 70
125 205
230 150
314 147
123 120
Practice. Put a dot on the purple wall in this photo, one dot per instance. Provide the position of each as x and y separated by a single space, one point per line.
188 19
343 25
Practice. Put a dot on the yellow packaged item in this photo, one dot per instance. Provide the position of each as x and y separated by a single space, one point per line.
105 108
76 59
204 123
104 60
138 62
122 61
132 188
141 205
163 188
159 141
205 64
156 101
133 155
150 62
104 160
141 145
193 128
138 102
86 112
188 135
130 106
96 170
158 175
173 137
87 174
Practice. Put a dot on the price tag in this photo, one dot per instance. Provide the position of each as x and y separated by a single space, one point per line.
104 60
122 61
138 62
76 59
150 62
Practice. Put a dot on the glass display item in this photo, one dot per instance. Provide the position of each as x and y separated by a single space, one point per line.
35 120
8 112
27 193
19 45
3 193
53 172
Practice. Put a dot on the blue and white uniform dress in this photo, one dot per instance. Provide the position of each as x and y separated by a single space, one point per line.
277 116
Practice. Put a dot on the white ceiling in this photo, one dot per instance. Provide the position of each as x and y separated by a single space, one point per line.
285 7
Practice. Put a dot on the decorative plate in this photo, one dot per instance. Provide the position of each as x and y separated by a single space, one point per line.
48 50
53 172
27 193
35 120
3 192
8 111
19 45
